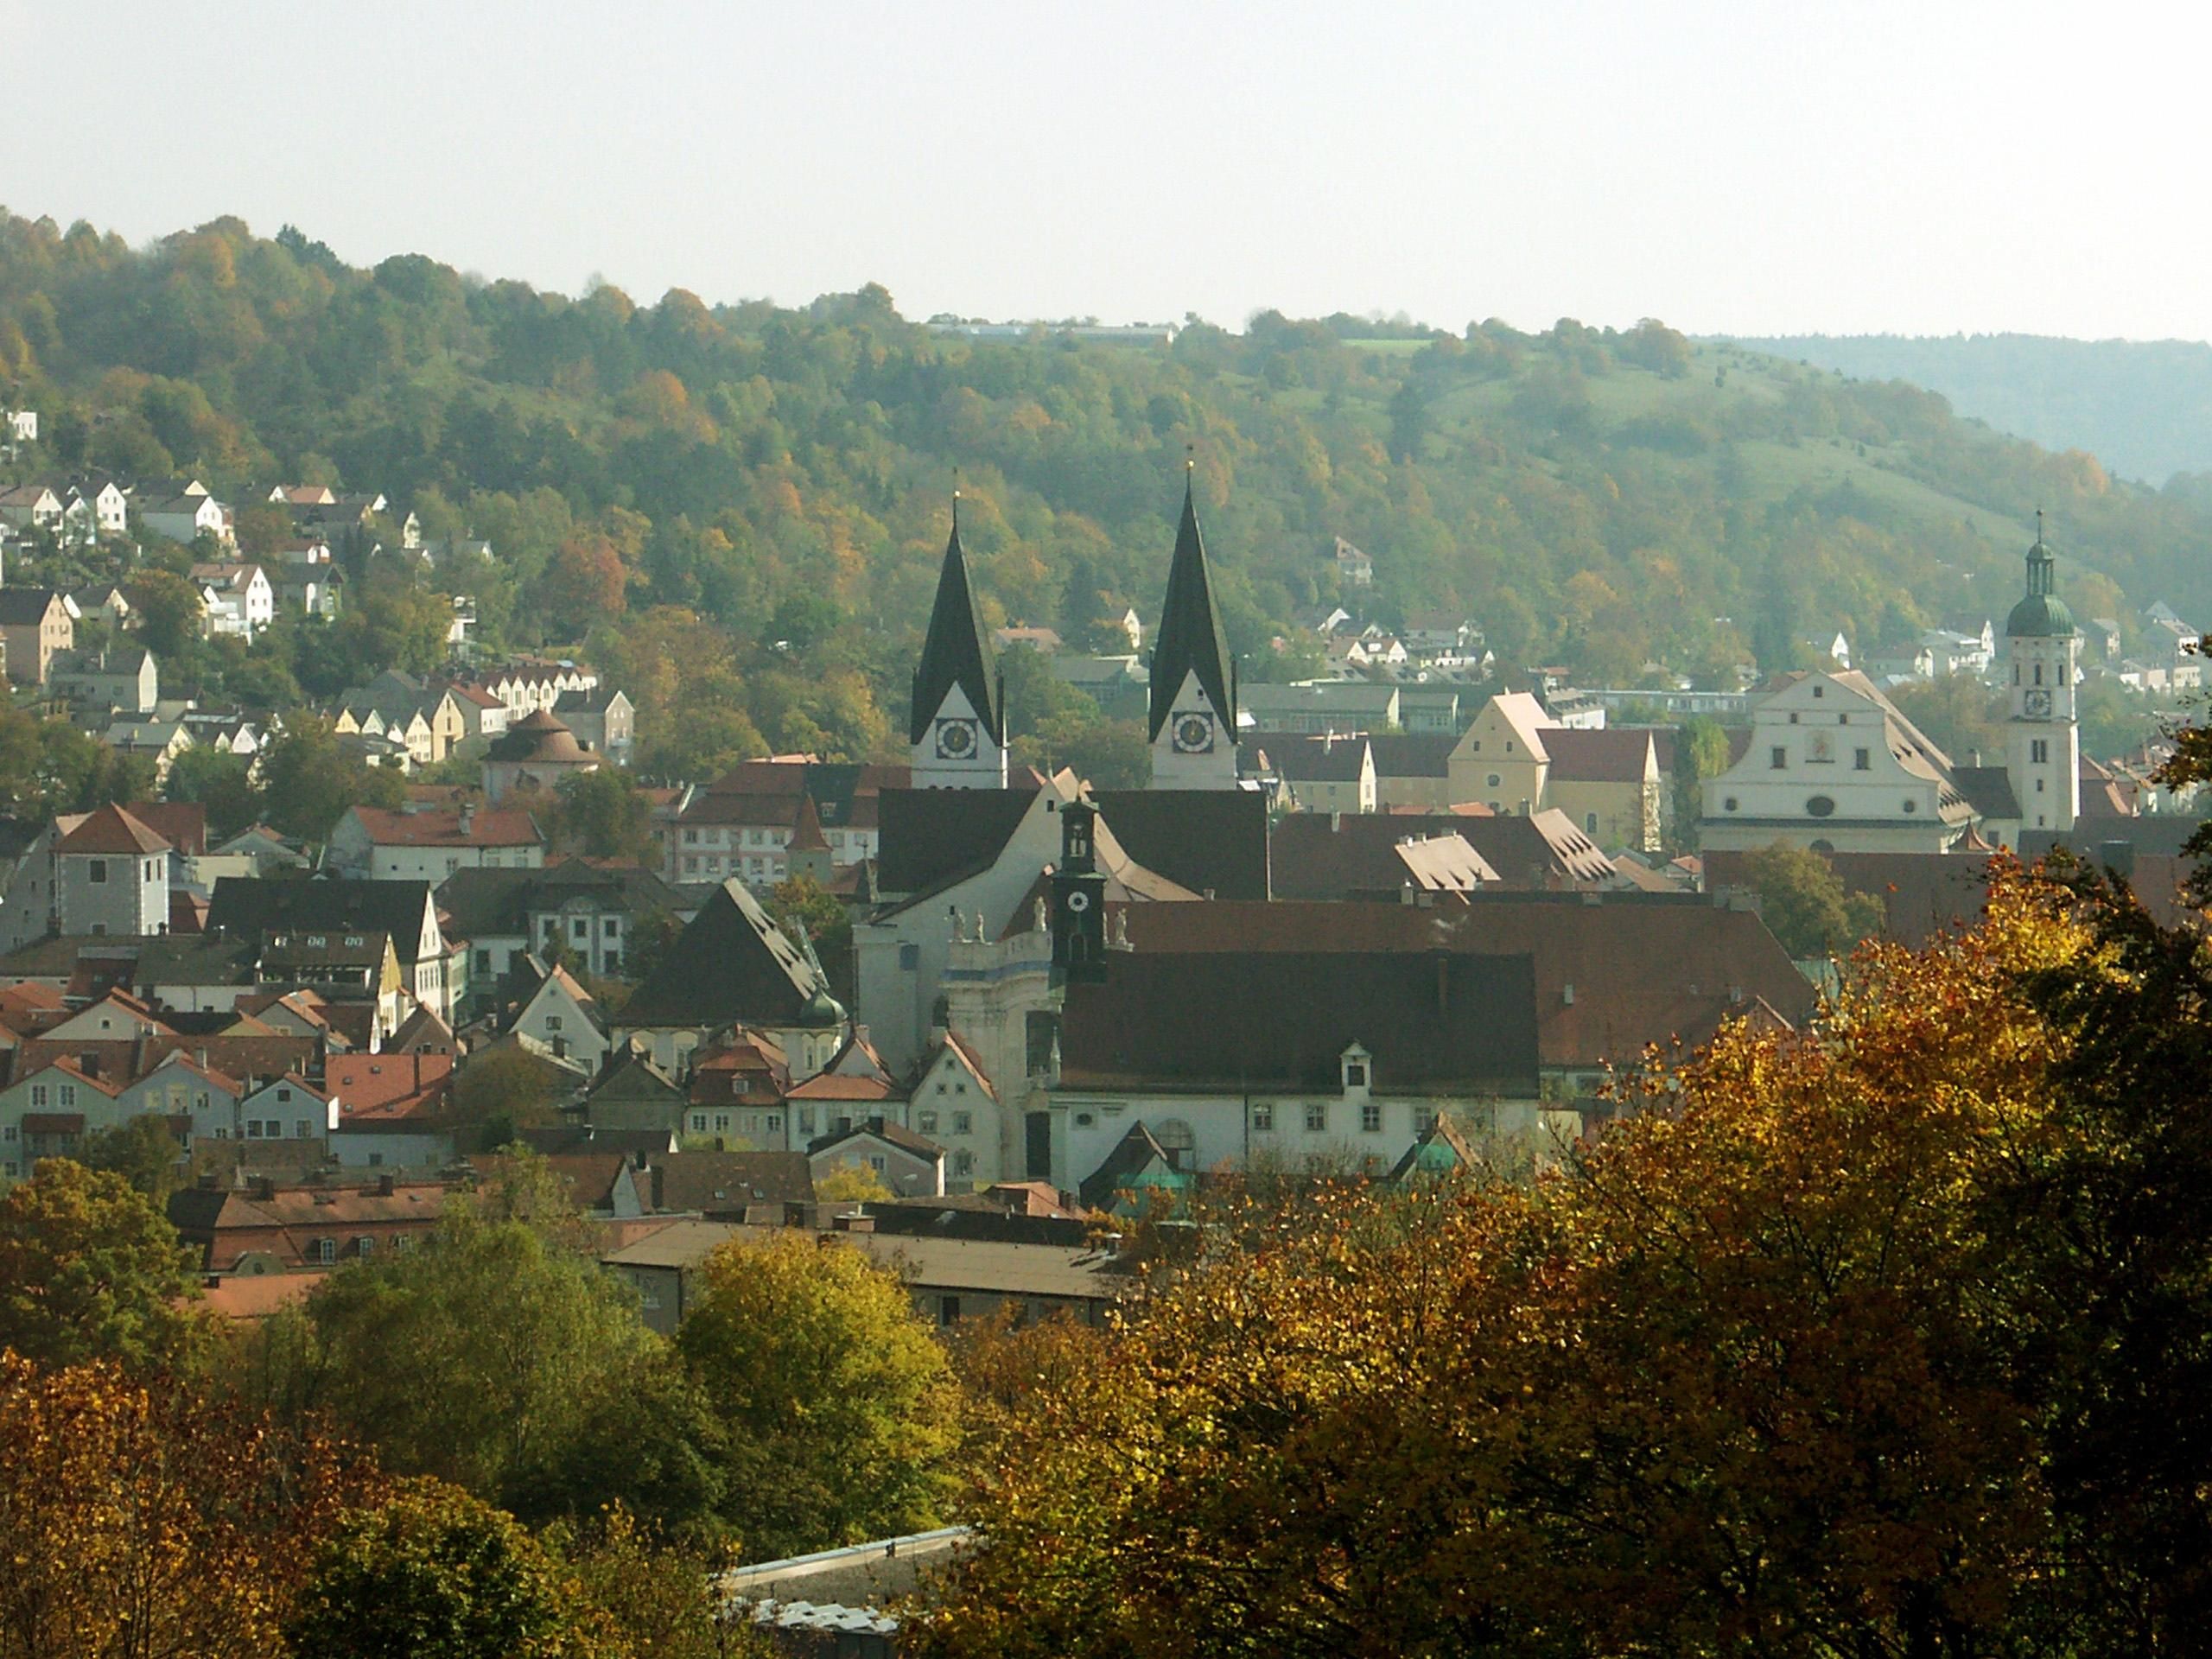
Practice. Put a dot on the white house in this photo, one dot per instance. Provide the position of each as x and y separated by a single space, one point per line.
184 519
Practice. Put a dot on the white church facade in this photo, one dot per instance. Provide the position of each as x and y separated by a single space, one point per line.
1835 766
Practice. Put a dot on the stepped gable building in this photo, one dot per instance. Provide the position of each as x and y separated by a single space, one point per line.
958 726
1834 765
1193 695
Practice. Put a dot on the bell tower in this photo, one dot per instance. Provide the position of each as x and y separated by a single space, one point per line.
2042 740
958 726
1193 709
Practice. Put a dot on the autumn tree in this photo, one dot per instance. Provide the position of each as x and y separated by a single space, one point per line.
499 1358
137 1519
1802 901
91 1269
308 779
432 1572
837 1400
583 586
602 815
1880 1338
142 1152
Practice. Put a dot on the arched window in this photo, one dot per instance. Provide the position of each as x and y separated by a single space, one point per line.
2039 673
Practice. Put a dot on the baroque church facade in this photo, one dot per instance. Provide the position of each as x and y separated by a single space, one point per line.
1834 765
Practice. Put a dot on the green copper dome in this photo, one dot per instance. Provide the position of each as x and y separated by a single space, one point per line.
2040 614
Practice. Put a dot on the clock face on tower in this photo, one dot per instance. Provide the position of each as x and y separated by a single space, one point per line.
2036 704
956 740
1194 734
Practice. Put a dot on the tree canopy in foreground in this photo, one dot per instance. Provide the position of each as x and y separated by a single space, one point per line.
1890 1339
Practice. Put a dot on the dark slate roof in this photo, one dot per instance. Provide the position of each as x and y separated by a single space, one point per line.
1988 790
1201 839
248 905
731 963
723 1183
957 650
2158 834
1418 754
1190 638
1281 1020
1613 971
926 835
498 901
1307 758
25 606
884 1129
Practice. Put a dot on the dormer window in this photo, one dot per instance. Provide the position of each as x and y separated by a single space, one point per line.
1355 1068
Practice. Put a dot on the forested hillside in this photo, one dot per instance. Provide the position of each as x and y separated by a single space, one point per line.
2145 407
742 506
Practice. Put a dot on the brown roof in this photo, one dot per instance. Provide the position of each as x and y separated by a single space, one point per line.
183 825
1612 972
1417 754
1324 855
506 827
540 738
1231 1018
118 1062
1617 754
111 830
723 1183
806 829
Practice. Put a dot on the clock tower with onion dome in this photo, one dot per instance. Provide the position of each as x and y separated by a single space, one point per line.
2043 735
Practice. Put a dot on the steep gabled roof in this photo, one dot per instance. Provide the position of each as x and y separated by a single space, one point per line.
111 830
1208 839
957 650
1190 639
731 963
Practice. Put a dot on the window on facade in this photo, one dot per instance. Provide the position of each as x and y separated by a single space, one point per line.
962 1122
1371 1118
2039 673
806 1120
1589 823
964 1163
364 1245
875 1162
96 871
1778 758
721 1123
552 1022
910 957
1263 1116
483 962
581 928
68 1094
775 1122
38 1096
1862 759
1317 1117
2039 750
1355 1074
948 1309
1490 780
326 1250
926 1122
301 1129
699 1122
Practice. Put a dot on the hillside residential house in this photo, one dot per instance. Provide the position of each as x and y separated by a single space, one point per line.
34 625
333 907
111 875
1517 758
910 1165
742 824
239 598
265 1227
184 519
120 679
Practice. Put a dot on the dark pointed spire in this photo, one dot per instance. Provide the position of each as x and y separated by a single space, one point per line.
957 649
1190 639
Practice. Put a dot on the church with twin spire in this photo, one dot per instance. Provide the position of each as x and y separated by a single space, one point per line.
957 729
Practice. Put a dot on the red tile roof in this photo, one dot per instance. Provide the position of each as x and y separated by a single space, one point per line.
111 830
507 827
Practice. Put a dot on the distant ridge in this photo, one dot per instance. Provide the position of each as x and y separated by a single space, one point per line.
2143 408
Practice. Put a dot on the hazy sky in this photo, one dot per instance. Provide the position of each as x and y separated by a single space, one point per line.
1748 167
